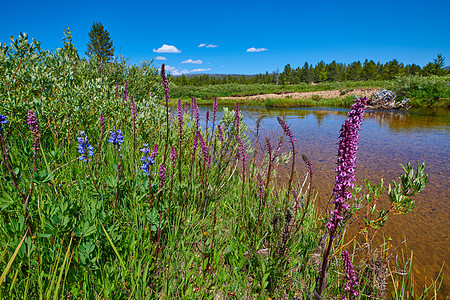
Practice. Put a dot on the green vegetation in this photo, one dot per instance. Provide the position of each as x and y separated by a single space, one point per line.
85 214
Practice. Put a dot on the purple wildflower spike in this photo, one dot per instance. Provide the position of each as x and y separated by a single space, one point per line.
154 151
242 153
173 156
345 171
236 115
102 123
205 153
162 175
117 90
350 275
165 84
32 122
180 114
133 108
195 143
286 128
219 129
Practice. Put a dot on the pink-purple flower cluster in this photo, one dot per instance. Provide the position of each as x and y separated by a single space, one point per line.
205 153
180 115
102 123
350 275
242 153
165 84
346 164
173 156
286 129
32 122
162 175
133 108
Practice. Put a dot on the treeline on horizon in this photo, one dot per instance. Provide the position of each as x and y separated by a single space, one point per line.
322 72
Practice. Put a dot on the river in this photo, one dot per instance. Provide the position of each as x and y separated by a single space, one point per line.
387 139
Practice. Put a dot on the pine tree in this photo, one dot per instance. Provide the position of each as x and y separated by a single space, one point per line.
100 45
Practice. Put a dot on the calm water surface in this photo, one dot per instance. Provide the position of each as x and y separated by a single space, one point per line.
387 139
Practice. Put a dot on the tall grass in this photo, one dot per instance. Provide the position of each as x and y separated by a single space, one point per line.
196 217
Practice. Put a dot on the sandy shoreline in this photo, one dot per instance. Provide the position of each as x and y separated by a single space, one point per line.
366 92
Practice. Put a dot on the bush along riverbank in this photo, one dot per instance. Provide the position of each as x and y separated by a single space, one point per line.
105 193
430 91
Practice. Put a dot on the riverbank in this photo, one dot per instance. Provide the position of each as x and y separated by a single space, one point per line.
432 91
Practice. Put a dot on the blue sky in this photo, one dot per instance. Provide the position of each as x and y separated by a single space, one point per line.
284 31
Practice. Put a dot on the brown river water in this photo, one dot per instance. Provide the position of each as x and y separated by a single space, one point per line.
387 139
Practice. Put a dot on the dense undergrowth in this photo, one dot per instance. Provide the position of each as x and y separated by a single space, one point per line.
107 194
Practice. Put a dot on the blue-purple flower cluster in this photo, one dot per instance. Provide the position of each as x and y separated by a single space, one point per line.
350 275
84 148
2 121
346 164
147 161
116 138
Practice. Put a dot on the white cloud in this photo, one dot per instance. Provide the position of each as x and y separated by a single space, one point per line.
202 45
190 61
253 49
167 49
211 46
174 71
200 70
160 58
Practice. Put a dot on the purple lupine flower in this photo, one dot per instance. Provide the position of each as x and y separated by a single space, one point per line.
186 110
345 171
173 156
2 121
350 275
84 148
205 153
147 161
117 90
242 153
32 122
286 129
116 138
162 175
133 108
154 151
165 84
219 129
101 119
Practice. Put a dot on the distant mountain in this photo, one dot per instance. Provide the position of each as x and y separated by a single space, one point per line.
447 68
